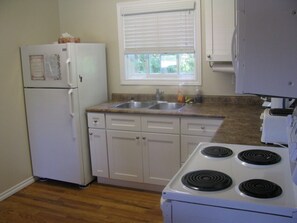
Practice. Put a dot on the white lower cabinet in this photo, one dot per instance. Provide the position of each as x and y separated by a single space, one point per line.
98 146
144 148
195 130
141 156
125 155
161 157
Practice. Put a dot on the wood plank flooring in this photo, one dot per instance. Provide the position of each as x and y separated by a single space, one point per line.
48 202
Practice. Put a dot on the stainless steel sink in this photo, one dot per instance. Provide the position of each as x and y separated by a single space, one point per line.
157 105
167 106
135 104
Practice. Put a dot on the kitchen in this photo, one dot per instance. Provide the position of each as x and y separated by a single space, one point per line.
92 21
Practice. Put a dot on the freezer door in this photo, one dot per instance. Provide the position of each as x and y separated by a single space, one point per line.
54 133
50 66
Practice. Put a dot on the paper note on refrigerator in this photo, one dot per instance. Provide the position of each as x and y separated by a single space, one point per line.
45 67
52 67
37 67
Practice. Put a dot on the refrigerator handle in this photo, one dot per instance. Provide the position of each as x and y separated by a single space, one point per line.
68 61
71 113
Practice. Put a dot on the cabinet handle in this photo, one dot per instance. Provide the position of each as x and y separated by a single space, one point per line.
137 137
90 134
144 138
202 127
95 121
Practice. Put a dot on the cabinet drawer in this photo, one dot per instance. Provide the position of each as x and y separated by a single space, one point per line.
123 122
200 126
160 124
96 120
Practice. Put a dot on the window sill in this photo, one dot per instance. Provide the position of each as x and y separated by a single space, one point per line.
159 82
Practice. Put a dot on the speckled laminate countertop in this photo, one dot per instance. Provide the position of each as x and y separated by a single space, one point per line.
241 122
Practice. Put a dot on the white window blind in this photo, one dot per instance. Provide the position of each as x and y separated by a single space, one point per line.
142 7
159 42
158 30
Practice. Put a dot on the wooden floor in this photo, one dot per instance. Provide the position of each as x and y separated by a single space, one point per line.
47 202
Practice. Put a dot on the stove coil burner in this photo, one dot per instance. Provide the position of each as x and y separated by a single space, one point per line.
259 157
217 151
206 180
259 188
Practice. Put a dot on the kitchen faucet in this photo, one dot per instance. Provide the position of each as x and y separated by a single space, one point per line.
159 94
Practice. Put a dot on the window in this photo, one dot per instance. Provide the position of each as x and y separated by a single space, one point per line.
160 42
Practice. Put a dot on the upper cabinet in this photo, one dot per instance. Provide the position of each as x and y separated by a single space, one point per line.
266 48
219 28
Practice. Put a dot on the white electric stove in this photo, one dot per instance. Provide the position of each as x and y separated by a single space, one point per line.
229 183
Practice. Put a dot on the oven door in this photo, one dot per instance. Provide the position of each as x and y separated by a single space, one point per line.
195 213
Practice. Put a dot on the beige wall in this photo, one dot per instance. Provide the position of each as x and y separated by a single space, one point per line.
21 22
96 21
41 21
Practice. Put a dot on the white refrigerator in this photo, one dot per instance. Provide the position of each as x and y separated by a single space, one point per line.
60 81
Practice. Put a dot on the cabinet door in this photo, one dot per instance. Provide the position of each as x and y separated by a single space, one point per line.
161 157
189 143
98 149
125 155
219 28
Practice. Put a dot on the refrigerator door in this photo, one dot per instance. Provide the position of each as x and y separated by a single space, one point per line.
54 133
50 66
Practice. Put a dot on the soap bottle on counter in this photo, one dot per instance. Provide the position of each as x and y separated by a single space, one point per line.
198 95
180 95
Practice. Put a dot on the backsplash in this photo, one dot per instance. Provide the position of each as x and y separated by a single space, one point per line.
244 100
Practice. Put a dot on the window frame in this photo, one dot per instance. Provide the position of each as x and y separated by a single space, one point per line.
174 81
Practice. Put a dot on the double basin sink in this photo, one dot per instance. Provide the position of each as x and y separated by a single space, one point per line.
157 105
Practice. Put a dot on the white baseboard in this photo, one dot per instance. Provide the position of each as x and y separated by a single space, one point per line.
16 188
